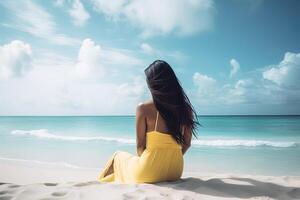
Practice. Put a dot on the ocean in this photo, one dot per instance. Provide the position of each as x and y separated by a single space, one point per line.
254 145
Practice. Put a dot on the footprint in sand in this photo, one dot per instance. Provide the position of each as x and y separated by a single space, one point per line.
50 184
3 192
129 196
187 198
137 194
6 198
13 186
59 194
295 193
86 184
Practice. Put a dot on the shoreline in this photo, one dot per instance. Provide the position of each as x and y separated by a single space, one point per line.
27 181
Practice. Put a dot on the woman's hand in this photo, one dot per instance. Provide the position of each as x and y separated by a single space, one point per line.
187 134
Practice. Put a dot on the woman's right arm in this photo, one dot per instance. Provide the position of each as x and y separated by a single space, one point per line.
187 135
140 129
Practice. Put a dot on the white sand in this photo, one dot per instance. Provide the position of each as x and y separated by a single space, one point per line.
22 181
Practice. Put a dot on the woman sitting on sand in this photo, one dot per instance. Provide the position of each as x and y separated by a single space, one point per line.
164 128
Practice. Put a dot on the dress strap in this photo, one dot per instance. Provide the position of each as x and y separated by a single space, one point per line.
156 120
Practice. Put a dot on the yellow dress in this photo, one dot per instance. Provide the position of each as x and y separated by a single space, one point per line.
162 160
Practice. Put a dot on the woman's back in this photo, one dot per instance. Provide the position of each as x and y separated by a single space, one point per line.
161 160
154 121
164 127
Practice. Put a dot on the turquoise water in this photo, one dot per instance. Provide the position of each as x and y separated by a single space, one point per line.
265 145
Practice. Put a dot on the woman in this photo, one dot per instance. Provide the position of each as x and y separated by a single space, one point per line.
164 128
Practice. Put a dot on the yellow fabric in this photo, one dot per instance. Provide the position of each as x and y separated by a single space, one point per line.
162 160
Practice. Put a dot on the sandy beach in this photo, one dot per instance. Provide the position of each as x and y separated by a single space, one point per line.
21 180
203 92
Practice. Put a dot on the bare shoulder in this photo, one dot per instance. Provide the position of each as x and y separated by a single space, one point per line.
140 108
145 107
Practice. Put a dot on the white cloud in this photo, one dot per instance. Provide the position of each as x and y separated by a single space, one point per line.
207 88
132 90
155 17
51 88
287 72
210 92
89 59
78 13
154 53
120 57
15 59
93 61
235 66
27 16
243 91
58 3
282 86
146 48
203 82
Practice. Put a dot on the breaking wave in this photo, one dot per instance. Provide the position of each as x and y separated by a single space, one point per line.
43 133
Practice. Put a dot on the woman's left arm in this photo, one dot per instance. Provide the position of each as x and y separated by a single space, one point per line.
140 129
187 139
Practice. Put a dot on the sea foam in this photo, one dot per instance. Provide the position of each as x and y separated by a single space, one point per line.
44 133
245 143
45 163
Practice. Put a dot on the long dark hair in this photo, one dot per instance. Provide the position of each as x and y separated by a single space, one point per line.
170 100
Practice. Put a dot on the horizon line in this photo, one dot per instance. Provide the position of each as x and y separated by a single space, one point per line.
209 115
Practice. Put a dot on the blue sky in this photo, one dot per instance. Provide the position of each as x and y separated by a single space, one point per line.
76 57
